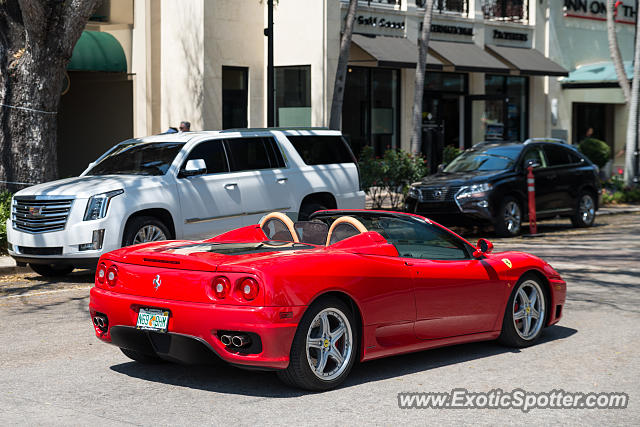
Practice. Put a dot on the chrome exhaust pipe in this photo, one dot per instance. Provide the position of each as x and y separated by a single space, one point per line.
240 340
226 339
101 322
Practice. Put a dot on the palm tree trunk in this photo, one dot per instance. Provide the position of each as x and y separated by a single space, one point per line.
632 123
341 72
423 44
614 50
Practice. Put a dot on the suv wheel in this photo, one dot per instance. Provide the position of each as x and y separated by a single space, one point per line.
508 219
52 270
308 208
585 214
144 229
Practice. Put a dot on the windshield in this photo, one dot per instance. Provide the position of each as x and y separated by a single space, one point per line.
485 159
138 158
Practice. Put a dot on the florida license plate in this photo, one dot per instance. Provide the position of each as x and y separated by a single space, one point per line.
153 319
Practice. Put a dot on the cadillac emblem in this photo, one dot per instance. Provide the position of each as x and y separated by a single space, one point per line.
157 282
35 211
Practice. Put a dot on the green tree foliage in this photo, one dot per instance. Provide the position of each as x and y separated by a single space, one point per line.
386 180
597 151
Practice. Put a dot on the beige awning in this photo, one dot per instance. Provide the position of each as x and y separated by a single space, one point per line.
528 61
385 51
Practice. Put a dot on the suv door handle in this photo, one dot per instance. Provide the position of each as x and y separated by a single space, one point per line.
231 186
282 180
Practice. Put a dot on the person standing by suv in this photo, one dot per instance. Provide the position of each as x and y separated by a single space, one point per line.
486 185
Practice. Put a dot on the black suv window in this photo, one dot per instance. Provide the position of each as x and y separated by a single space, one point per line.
556 156
322 149
534 153
254 153
575 158
212 152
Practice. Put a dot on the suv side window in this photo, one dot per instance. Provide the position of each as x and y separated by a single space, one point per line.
322 149
253 154
575 158
556 156
534 153
212 152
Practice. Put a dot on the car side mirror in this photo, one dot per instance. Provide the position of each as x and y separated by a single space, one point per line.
484 247
194 167
441 167
533 163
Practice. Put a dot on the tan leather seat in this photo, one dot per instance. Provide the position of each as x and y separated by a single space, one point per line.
352 227
278 226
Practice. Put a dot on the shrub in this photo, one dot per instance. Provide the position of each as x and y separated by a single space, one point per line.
597 151
389 176
5 213
450 152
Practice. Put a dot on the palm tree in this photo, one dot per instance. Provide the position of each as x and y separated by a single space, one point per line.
632 94
614 50
423 44
341 72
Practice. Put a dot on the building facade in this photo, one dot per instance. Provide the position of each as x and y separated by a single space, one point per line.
495 68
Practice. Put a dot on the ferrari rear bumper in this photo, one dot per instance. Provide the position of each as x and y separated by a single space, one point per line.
192 331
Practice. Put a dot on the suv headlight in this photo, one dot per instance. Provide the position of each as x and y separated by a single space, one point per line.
415 193
476 191
97 205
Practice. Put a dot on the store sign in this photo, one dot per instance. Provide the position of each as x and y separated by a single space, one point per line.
451 29
597 10
376 24
507 35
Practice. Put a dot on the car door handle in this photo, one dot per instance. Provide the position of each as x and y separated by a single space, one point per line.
231 186
282 180
408 263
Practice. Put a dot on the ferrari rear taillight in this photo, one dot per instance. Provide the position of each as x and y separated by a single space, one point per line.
112 275
221 287
101 272
249 288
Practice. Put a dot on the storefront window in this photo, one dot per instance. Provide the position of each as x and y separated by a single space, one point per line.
293 96
370 111
513 90
235 97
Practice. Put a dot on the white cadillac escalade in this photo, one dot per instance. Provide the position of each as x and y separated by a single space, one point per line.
190 185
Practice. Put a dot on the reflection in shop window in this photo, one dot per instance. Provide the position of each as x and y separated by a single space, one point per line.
447 6
505 10
515 88
293 96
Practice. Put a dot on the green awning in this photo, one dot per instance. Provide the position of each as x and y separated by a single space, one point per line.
600 73
98 51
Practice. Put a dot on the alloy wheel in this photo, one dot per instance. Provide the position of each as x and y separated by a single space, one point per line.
329 344
528 310
587 209
149 233
512 217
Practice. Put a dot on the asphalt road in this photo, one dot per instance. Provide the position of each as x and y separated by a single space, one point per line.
54 371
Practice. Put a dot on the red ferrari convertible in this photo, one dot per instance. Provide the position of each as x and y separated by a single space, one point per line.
309 299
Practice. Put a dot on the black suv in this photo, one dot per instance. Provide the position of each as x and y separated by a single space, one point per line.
488 184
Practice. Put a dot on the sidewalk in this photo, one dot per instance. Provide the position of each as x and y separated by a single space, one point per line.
8 265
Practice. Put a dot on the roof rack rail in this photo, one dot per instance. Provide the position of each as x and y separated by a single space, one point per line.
275 128
558 140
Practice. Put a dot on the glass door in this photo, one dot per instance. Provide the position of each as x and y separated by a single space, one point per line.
488 118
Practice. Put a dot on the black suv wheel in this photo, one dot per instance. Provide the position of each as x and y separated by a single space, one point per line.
508 220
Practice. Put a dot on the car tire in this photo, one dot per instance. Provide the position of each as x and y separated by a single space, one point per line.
526 313
145 229
508 220
140 357
327 339
52 270
308 208
585 214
